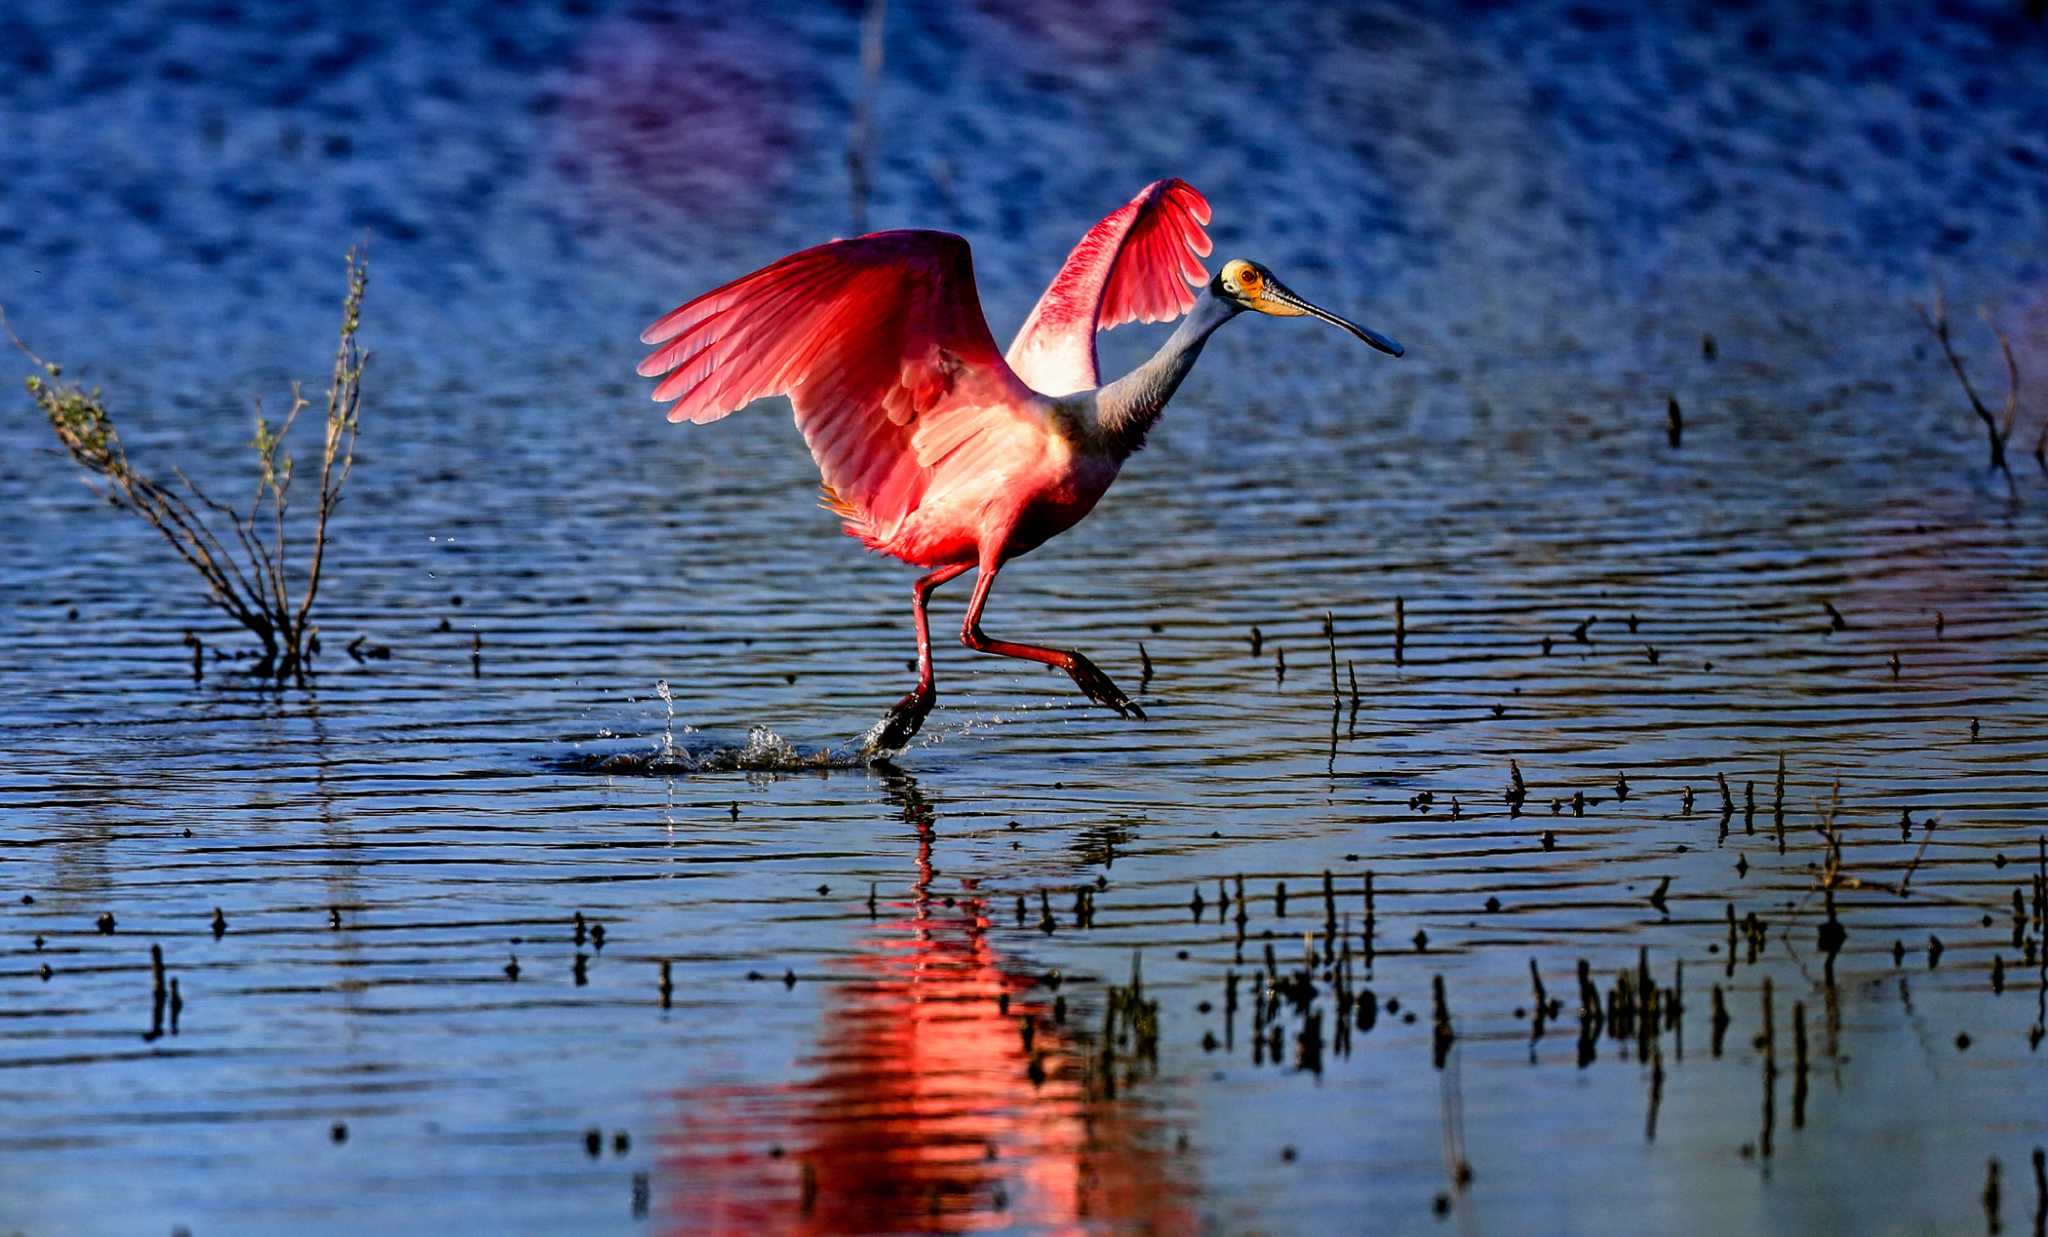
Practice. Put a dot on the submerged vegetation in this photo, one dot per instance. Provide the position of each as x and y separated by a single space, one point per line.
255 589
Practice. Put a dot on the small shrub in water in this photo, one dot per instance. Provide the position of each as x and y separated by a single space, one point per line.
251 581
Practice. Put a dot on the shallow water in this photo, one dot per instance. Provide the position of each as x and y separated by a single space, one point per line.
400 1025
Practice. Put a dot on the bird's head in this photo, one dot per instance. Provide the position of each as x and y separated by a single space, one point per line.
1247 285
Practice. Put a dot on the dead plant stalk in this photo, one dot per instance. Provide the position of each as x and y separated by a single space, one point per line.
1998 429
256 589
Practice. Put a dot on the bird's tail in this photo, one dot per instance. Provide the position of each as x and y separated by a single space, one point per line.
855 520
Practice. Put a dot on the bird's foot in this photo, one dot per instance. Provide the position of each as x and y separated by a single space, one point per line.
1101 690
900 725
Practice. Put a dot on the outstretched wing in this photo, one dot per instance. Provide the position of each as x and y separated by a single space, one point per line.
878 341
1134 266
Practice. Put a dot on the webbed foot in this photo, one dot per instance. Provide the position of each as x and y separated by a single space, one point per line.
1101 690
900 725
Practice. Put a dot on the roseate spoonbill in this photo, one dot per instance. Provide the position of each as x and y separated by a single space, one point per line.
934 447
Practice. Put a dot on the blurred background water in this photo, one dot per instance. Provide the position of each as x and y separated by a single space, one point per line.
1571 213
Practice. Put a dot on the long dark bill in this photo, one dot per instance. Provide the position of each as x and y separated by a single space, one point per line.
1285 296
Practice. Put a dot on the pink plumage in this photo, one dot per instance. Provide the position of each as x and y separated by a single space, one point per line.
875 340
934 447
1134 266
931 446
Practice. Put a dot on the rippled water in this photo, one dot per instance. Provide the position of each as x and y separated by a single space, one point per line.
399 1020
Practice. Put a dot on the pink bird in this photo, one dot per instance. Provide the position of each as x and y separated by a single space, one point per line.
934 447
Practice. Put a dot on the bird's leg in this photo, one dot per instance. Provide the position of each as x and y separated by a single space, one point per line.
895 731
920 597
1086 676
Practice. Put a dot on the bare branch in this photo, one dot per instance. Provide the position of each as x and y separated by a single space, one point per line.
259 598
1936 322
344 402
1926 836
2012 376
256 563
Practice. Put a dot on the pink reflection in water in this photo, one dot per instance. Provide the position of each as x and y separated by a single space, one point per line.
1104 33
920 1110
678 122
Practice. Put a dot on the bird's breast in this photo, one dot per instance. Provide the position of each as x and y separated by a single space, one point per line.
1011 491
1067 492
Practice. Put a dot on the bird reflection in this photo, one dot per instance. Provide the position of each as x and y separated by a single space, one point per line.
926 1104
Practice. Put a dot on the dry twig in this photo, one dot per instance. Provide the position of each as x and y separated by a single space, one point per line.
1998 429
255 589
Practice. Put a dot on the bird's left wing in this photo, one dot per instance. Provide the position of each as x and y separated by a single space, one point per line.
1134 266
878 341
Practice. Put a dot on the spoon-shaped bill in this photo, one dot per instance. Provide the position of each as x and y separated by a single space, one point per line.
1276 291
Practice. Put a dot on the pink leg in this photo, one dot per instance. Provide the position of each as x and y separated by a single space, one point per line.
920 595
895 731
1090 680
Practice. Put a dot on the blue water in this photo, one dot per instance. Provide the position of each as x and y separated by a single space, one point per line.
1554 206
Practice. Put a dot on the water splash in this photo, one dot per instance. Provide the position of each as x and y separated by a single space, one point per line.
764 751
869 745
668 752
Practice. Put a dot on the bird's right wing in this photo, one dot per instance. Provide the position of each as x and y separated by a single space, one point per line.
878 341
1134 266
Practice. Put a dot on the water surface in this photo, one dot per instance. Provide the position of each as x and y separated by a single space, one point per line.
401 1025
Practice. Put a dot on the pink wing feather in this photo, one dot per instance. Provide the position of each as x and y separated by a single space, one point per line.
876 341
1134 266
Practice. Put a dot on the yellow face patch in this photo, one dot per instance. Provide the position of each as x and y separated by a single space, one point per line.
1243 279
1247 284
